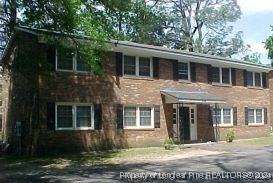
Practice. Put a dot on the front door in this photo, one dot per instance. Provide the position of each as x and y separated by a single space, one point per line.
184 121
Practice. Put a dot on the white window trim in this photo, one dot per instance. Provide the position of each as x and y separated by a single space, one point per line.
137 67
221 76
74 64
74 120
255 115
253 79
138 118
222 117
189 71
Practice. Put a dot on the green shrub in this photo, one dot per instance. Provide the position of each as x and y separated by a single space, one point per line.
230 135
168 143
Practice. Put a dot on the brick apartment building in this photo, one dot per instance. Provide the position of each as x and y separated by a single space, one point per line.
148 93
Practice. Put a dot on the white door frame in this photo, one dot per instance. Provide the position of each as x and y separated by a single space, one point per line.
192 118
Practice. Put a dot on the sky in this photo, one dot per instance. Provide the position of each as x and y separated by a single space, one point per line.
257 16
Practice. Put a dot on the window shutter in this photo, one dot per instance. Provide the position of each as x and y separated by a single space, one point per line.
97 116
210 118
119 116
264 80
51 116
193 71
175 70
119 56
245 78
156 67
51 57
233 76
246 116
234 116
265 115
157 116
209 73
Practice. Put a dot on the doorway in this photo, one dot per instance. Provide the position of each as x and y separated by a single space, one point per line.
184 123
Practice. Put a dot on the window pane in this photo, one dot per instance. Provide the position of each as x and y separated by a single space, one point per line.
249 79
250 115
144 66
216 116
215 75
65 59
129 65
83 116
64 116
145 116
259 116
227 116
183 71
82 64
225 75
258 79
130 116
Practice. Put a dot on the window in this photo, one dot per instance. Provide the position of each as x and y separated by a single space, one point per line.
130 116
138 117
221 75
65 59
82 64
69 60
183 71
255 116
145 116
254 79
83 116
144 66
137 66
215 75
129 65
74 116
64 116
222 116
226 75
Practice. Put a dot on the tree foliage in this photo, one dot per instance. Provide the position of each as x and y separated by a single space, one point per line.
269 46
204 26
253 58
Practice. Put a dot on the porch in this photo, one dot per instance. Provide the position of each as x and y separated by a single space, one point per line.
191 115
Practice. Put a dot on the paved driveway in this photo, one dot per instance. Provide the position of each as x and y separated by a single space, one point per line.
238 163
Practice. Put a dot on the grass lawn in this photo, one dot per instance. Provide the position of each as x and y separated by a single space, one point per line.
75 162
264 141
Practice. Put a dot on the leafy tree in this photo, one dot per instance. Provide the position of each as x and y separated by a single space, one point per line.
203 26
7 21
269 46
253 57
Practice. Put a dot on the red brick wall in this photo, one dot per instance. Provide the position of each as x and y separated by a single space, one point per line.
110 90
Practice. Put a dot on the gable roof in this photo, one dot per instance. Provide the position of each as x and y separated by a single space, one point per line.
138 49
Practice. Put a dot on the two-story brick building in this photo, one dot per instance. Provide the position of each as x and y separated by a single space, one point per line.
148 93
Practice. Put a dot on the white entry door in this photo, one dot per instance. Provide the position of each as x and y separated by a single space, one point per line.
191 123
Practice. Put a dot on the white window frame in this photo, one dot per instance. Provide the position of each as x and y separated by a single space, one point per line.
253 79
255 117
137 66
221 76
189 71
74 116
138 117
222 117
74 64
